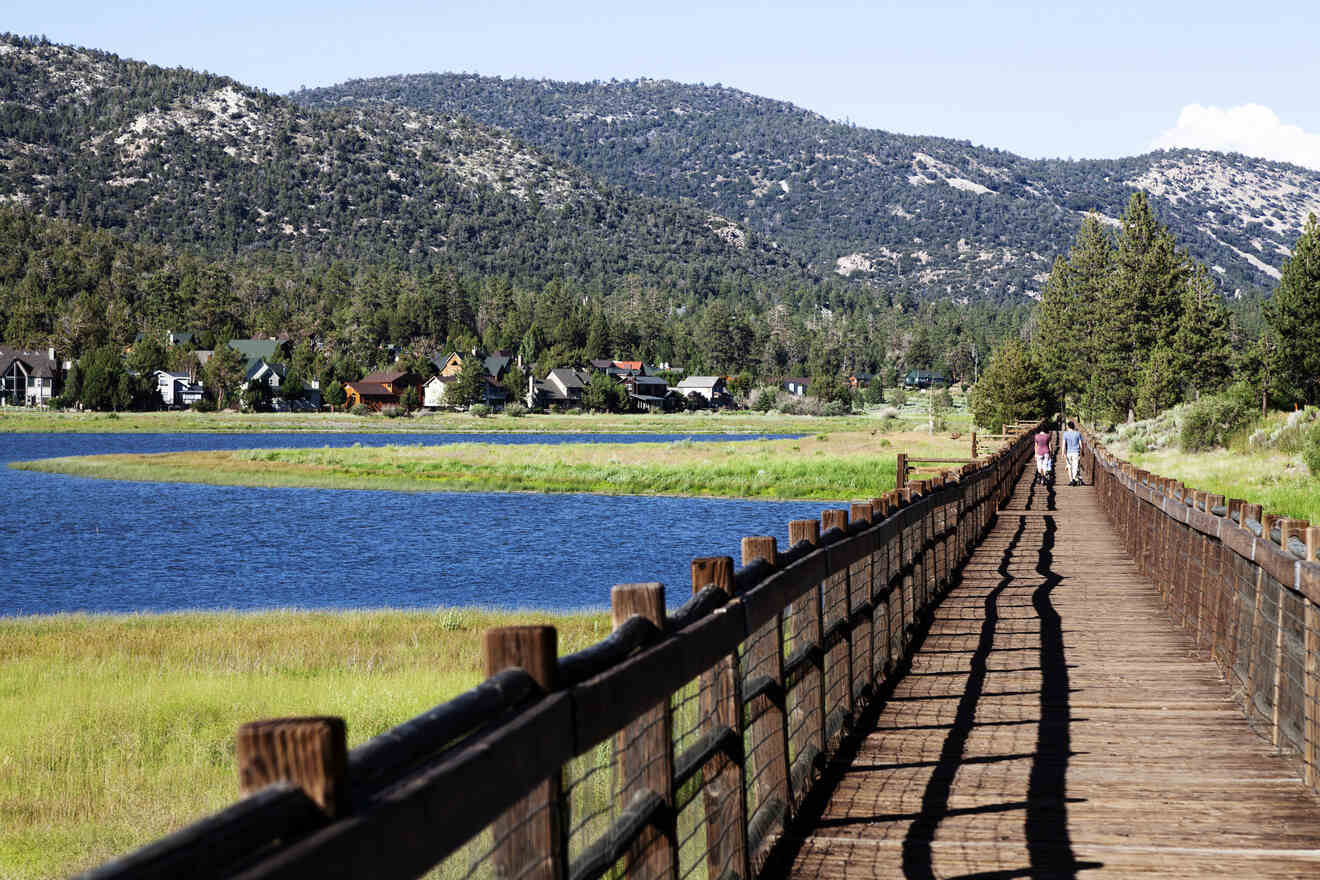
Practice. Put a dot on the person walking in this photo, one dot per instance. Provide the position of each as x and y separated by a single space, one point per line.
1043 462
1072 452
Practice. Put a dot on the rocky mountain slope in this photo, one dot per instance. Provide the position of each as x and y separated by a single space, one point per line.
922 214
194 160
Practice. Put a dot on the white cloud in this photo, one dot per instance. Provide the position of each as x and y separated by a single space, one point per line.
1251 129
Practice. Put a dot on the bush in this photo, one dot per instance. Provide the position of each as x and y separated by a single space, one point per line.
360 409
1138 445
1311 449
1212 420
836 408
516 410
764 400
393 412
480 410
205 405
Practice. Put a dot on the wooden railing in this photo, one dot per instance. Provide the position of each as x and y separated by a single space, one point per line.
680 746
1244 583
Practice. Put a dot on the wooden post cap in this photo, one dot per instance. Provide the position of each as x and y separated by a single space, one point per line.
534 648
860 511
833 518
646 600
309 752
714 571
760 547
803 530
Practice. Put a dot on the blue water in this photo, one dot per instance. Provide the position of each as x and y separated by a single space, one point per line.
72 544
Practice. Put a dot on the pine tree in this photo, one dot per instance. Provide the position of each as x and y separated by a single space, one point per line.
1294 313
1011 388
1142 308
1064 340
1202 346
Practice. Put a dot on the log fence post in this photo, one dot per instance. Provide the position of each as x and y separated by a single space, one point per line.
724 779
861 591
808 698
838 661
769 748
1311 699
530 838
900 470
644 750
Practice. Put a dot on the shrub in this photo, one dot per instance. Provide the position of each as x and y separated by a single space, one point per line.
836 408
764 400
480 410
393 412
516 410
205 405
1138 445
1311 449
1211 421
360 409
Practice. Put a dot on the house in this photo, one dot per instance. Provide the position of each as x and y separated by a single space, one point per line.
175 337
560 388
381 388
925 379
272 351
270 375
796 386
858 381
647 393
177 389
27 378
433 391
496 364
712 388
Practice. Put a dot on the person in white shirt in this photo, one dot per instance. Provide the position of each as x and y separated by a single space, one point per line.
1072 451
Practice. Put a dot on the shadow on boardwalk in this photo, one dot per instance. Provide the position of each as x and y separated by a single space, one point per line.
1044 803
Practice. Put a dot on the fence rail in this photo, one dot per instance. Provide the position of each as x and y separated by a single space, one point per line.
680 746
1243 582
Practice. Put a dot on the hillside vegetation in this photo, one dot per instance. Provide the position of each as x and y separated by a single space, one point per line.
923 214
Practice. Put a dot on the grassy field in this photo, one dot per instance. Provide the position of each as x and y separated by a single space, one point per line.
120 729
822 466
1261 465
14 419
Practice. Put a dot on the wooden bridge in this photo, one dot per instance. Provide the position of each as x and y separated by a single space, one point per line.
973 676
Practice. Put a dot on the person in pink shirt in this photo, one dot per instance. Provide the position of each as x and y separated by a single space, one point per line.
1043 457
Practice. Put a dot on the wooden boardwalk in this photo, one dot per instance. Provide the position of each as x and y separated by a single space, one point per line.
1055 723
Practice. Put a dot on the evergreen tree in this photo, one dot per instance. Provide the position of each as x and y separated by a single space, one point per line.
1011 389
602 393
1142 308
1072 303
223 372
1202 348
1294 313
470 386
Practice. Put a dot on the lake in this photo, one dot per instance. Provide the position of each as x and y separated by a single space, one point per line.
73 544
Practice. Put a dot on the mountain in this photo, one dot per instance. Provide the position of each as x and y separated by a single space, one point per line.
926 215
192 160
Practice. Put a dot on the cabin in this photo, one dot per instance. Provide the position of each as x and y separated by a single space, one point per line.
858 381
496 364
380 389
925 379
647 393
560 388
796 386
433 391
712 388
27 378
177 389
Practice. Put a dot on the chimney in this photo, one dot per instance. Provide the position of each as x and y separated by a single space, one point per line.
51 353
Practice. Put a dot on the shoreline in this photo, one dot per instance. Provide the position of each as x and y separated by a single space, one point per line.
821 467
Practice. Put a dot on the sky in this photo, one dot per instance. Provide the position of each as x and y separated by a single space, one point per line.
1037 79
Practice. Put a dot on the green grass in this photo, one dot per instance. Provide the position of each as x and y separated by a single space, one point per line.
13 419
824 466
1261 465
120 729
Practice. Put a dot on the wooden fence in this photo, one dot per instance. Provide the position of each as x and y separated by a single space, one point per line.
680 746
1244 583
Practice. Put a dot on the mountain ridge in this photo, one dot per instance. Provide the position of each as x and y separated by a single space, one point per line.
975 221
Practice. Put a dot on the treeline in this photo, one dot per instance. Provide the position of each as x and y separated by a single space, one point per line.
80 289
1130 325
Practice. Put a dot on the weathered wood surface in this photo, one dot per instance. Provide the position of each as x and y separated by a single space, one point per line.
1056 723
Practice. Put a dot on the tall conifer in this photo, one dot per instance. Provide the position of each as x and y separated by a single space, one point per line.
1294 313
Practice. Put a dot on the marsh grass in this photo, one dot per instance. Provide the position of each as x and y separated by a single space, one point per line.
824 466
120 729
